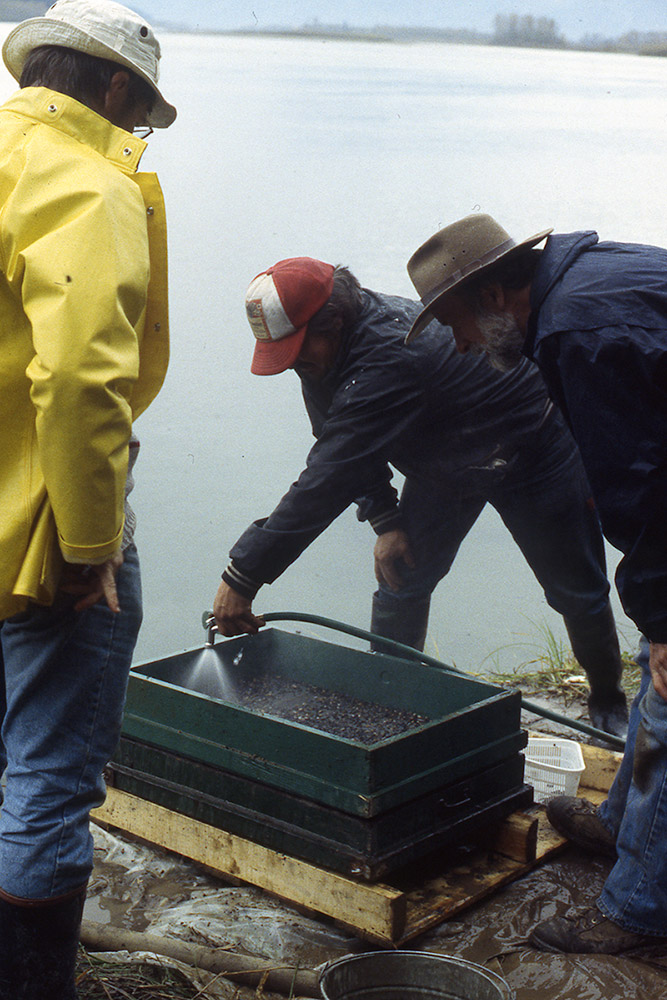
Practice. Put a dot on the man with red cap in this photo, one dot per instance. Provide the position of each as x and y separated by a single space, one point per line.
462 434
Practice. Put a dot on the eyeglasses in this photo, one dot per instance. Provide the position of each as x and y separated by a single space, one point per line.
142 131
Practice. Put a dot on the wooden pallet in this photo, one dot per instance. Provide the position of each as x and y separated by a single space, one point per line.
388 913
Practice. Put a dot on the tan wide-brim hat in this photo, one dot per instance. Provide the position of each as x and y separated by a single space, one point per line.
101 28
454 254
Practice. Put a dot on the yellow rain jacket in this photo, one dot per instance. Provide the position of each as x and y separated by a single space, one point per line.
83 334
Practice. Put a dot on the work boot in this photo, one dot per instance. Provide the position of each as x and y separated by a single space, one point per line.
403 621
39 945
590 932
579 821
595 645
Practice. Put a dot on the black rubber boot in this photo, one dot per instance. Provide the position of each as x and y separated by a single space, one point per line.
38 947
595 645
404 621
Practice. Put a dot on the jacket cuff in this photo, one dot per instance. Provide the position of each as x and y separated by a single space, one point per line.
91 555
390 520
239 582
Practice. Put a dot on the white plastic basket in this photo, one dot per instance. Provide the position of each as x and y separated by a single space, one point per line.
553 767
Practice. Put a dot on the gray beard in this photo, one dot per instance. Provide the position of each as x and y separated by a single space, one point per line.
503 340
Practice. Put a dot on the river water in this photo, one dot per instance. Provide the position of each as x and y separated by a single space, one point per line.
356 152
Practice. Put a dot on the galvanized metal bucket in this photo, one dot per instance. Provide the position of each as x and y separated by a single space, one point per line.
410 975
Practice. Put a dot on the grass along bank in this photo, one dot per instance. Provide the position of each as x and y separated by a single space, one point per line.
550 669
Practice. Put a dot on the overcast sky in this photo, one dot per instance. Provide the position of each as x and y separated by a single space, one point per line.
574 17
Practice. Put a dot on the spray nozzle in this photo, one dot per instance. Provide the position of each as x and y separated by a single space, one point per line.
208 621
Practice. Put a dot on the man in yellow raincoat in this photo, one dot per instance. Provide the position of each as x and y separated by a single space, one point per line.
83 329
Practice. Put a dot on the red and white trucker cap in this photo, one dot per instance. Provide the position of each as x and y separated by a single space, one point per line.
279 304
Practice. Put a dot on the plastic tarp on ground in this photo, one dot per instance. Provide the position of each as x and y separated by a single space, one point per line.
139 888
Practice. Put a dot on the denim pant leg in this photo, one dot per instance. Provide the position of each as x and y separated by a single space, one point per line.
635 893
612 809
436 521
65 679
546 505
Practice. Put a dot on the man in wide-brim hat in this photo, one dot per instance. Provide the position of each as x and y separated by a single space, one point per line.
593 315
83 321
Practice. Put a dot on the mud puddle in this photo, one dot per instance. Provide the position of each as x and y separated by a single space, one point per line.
142 889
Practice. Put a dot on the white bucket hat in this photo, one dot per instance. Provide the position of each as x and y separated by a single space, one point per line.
101 28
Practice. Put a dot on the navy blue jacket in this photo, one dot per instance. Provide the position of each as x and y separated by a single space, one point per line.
598 331
435 415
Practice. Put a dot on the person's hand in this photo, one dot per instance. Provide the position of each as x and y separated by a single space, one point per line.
93 583
658 665
233 612
392 550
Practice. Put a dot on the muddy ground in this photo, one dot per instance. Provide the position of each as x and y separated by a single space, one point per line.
142 889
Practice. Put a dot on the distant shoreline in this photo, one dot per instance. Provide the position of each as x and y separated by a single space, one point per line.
656 46
653 43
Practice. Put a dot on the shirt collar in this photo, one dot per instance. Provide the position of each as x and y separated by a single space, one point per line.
81 123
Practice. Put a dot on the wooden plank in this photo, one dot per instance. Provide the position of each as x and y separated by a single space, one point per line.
600 770
389 913
456 888
549 840
515 837
441 898
378 908
384 913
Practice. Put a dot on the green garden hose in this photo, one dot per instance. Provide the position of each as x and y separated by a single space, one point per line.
414 654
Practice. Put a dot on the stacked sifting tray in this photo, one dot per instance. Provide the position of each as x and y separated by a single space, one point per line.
359 762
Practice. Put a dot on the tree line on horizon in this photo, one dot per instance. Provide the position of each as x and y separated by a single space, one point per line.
519 30
543 32
526 30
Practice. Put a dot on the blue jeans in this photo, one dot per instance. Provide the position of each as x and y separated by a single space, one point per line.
635 893
545 502
64 682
